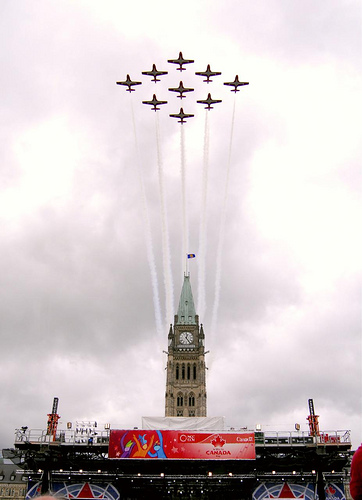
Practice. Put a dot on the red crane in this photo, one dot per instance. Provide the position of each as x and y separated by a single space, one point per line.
313 420
53 418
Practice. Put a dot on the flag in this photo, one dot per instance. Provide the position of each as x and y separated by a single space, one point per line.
191 255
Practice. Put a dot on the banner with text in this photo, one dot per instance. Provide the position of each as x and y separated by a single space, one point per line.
181 444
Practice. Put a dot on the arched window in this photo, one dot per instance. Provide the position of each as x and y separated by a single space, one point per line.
188 372
194 371
191 399
183 371
180 399
177 371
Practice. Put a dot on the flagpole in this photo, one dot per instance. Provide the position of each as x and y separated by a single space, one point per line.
189 256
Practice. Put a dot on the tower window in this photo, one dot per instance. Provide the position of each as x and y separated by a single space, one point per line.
194 371
191 399
188 372
180 400
183 372
177 372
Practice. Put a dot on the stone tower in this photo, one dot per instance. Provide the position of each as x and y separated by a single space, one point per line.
186 380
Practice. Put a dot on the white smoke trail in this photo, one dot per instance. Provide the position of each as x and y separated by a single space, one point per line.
221 234
148 235
203 223
185 225
167 271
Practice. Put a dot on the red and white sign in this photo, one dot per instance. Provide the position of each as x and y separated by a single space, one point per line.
174 444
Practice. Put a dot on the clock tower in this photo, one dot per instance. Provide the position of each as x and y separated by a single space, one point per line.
186 380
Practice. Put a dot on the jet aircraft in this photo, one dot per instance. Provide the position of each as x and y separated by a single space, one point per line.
155 73
209 101
129 84
181 61
154 102
182 116
181 89
236 84
208 73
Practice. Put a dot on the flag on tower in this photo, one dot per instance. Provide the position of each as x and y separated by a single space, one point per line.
191 255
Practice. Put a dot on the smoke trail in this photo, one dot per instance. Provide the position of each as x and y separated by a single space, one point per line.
148 234
222 233
185 239
167 272
203 223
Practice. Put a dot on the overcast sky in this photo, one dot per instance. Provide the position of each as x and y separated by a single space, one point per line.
100 196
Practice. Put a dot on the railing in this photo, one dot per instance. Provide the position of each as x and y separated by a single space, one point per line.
62 436
268 438
302 438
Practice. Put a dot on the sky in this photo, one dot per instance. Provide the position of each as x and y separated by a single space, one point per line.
101 198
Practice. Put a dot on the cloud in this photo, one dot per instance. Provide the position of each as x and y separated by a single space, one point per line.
80 190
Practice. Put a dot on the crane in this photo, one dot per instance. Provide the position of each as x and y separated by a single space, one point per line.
313 420
53 418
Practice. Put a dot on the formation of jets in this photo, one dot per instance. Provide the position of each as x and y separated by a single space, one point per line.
155 73
182 116
236 84
180 61
208 73
154 102
209 101
129 83
181 89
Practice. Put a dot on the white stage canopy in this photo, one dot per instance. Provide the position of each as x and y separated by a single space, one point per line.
184 423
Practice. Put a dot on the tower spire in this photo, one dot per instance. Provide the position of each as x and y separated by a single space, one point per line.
186 313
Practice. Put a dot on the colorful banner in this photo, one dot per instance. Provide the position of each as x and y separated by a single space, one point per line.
301 490
181 444
84 491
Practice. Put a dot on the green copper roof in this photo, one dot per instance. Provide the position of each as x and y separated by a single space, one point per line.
186 309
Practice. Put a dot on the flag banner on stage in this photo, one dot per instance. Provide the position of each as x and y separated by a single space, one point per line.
191 255
181 445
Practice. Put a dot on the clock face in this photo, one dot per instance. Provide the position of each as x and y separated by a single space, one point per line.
186 338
